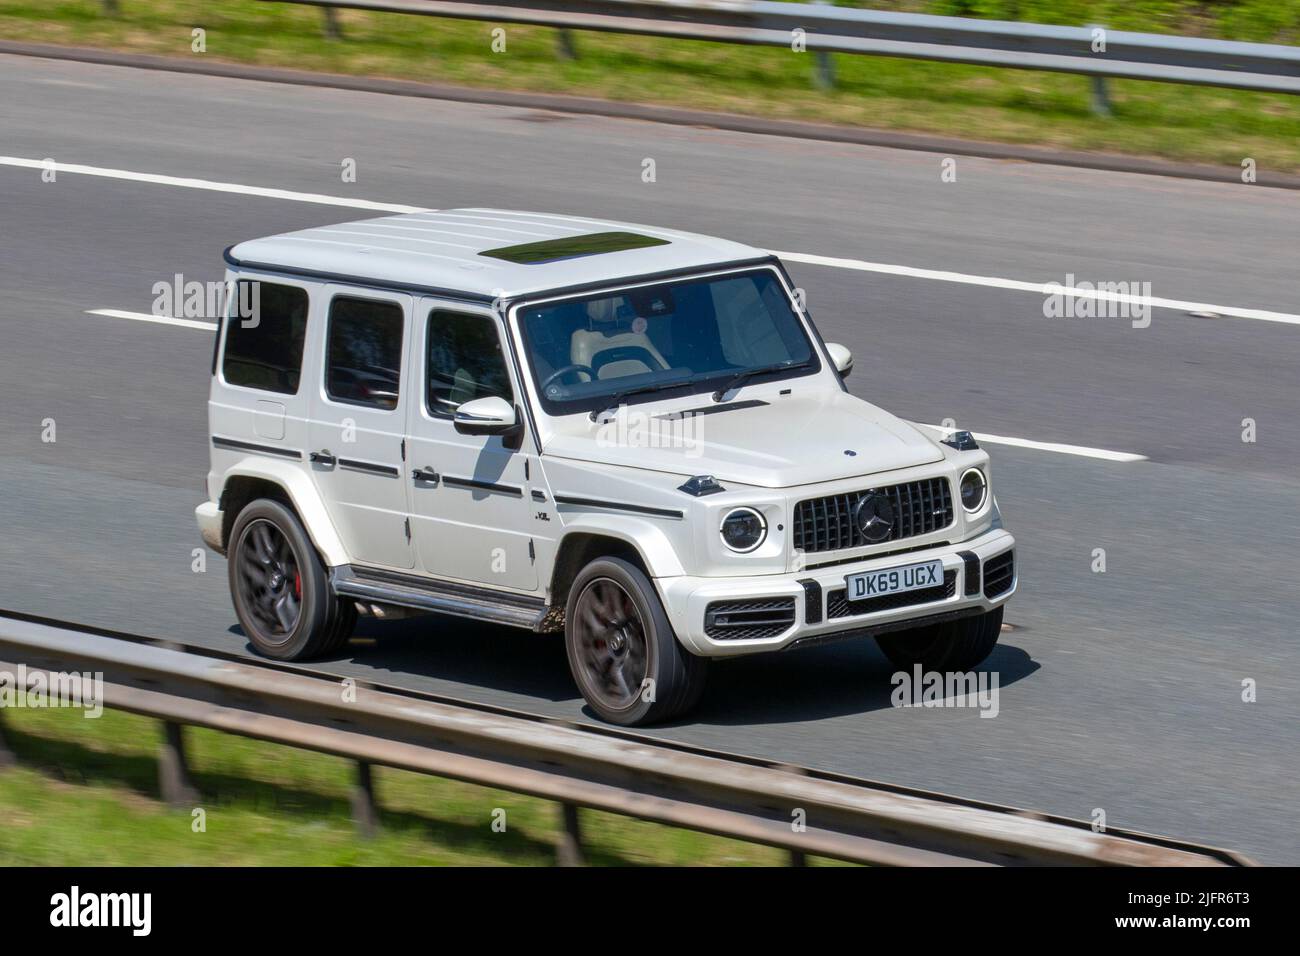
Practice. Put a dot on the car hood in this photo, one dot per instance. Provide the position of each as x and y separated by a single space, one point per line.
777 441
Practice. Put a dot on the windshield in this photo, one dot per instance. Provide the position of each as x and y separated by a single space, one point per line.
667 339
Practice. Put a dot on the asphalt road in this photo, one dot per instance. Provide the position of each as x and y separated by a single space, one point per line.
1120 691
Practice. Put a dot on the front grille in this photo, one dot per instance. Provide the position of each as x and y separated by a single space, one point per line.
826 524
999 572
838 605
749 619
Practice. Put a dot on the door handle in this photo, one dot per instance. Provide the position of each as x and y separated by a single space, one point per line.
425 474
323 457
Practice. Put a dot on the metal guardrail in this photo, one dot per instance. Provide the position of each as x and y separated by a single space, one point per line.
827 29
574 764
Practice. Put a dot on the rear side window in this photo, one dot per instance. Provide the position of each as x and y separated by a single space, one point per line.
364 353
264 345
465 362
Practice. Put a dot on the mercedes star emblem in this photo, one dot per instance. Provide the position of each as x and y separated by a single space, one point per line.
874 517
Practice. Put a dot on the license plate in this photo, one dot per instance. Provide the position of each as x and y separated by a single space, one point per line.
911 577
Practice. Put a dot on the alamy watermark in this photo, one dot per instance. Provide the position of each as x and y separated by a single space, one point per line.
921 688
1099 300
47 689
133 911
638 429
192 299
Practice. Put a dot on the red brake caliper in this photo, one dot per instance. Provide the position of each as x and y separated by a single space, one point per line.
297 584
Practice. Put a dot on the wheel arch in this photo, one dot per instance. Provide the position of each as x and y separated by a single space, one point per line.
582 544
252 479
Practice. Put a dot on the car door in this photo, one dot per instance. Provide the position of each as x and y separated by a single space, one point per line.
357 423
472 512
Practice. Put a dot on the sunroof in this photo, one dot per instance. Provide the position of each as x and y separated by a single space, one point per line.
572 247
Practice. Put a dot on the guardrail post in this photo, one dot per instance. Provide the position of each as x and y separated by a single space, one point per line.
824 77
798 858
110 8
7 758
1100 97
365 810
332 28
569 850
824 71
564 44
174 780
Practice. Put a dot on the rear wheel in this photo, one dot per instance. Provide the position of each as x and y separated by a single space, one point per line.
622 651
281 593
959 645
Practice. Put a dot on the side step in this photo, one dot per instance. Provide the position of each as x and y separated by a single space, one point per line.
443 597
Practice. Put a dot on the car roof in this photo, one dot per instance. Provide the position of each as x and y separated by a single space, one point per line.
445 250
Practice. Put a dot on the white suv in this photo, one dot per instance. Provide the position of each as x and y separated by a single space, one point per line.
631 435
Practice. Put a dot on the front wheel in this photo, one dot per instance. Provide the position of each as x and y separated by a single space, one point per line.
281 594
622 651
959 645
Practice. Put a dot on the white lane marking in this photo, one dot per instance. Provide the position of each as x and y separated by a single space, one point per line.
210 185
160 319
1081 451
1042 288
857 265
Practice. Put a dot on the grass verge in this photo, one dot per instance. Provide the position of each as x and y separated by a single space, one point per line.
1176 122
84 793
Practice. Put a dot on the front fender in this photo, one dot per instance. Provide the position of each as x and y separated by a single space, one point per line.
646 535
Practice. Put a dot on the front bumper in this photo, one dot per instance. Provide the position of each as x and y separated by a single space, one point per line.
208 515
818 613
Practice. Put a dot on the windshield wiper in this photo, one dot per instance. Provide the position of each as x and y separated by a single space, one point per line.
618 398
741 377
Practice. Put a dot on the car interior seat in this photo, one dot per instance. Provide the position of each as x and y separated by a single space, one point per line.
609 344
463 388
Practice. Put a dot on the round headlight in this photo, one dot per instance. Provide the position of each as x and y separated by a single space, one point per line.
743 529
974 489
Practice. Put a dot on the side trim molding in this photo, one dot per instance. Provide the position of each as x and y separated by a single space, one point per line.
454 482
618 506
370 467
234 445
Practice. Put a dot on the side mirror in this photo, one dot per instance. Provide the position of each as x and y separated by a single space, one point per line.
486 416
842 358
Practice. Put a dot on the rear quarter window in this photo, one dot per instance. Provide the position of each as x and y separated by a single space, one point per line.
264 350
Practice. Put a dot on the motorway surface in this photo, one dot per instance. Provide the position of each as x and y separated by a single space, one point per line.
1120 691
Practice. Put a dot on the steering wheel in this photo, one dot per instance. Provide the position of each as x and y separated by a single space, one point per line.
565 370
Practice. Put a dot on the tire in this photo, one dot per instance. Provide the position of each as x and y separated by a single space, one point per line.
278 584
617 637
342 623
960 645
